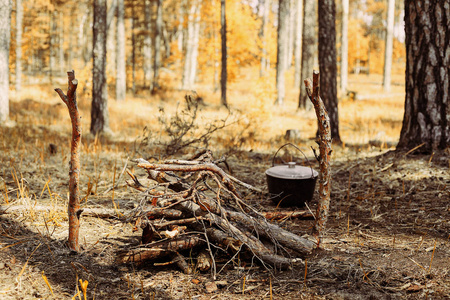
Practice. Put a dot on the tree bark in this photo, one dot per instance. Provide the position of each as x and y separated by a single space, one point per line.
308 47
427 109
344 47
121 85
99 108
264 6
323 207
147 43
19 24
223 33
298 43
111 39
74 210
5 38
133 50
328 64
389 46
190 58
158 33
291 34
282 48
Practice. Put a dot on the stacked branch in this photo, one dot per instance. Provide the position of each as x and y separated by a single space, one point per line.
196 204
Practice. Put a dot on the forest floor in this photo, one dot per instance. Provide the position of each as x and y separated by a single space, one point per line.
388 234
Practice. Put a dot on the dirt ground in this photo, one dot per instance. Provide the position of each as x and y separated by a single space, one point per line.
388 234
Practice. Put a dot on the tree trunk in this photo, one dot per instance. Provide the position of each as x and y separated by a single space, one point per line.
196 38
389 46
192 39
5 36
291 34
308 42
19 22
298 43
328 64
282 48
223 33
74 211
427 108
53 43
133 49
344 47
264 6
121 84
111 40
147 43
158 32
99 108
61 66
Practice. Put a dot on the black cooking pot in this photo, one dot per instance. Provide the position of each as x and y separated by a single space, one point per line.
290 184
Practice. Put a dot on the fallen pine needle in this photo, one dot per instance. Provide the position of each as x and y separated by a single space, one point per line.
48 283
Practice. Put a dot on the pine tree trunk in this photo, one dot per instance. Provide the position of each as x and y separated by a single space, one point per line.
19 24
298 42
99 108
427 109
5 36
389 46
328 64
265 7
344 47
223 33
291 34
147 43
158 33
308 42
121 85
282 48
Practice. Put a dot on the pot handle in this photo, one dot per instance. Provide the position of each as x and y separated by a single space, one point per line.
290 144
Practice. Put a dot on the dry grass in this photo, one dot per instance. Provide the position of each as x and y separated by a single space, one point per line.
361 223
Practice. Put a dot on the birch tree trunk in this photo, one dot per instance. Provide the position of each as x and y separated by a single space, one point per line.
328 64
111 39
282 48
99 108
147 43
5 38
223 74
427 109
61 65
158 32
291 34
389 46
265 7
344 47
19 24
192 39
308 42
121 84
298 42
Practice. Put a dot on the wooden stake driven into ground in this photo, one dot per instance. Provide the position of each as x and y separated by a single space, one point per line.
74 210
312 89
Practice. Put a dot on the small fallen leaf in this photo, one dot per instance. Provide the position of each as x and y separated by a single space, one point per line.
211 287
414 288
195 281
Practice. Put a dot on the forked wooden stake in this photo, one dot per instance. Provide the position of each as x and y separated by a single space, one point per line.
312 89
74 210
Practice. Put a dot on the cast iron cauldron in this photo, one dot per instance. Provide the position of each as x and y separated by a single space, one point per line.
290 184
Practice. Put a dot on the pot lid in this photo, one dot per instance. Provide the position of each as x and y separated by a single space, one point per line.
292 171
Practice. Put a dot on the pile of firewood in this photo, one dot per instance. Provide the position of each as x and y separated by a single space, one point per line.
195 205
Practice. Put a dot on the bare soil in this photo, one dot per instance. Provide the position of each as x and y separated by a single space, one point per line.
387 236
